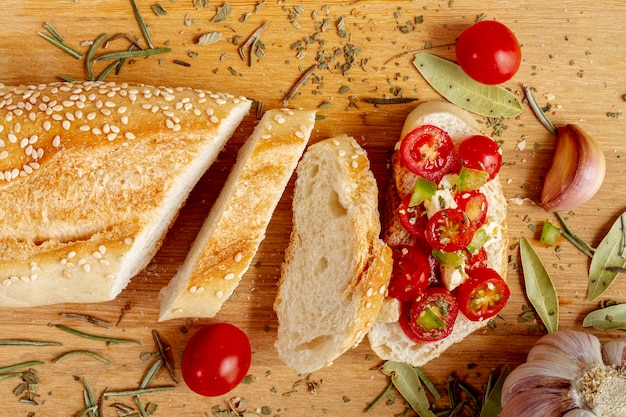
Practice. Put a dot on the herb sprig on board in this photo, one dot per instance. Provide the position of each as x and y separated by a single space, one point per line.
119 58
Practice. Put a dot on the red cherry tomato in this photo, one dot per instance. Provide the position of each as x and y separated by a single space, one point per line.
431 317
217 357
474 204
411 272
428 151
483 294
481 152
476 260
413 219
488 52
449 230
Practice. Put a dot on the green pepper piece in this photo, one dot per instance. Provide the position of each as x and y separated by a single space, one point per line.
422 191
448 259
472 179
549 234
478 241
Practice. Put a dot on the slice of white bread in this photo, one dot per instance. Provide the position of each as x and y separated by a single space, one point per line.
236 225
336 269
386 337
92 174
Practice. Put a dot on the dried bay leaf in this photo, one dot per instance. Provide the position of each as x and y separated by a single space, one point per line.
608 318
406 380
539 287
222 13
608 255
459 88
209 38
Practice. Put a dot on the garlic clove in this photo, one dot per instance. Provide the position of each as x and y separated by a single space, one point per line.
579 412
538 402
585 348
577 170
614 352
537 374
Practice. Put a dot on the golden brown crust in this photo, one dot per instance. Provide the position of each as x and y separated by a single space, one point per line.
236 226
91 167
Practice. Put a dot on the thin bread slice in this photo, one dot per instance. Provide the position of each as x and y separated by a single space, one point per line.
92 175
387 339
336 269
236 225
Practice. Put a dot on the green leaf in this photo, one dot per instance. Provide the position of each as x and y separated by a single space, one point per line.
493 403
407 382
457 87
539 287
609 254
209 38
609 318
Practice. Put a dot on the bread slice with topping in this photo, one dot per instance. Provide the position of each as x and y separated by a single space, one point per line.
236 225
92 174
336 269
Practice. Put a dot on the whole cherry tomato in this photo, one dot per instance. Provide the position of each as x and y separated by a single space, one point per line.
483 294
488 52
428 151
411 272
449 230
481 152
431 317
216 359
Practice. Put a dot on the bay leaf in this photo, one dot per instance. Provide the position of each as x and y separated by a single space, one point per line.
493 404
459 88
407 382
608 318
209 38
539 287
607 255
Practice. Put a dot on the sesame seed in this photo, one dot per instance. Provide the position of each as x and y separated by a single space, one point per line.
66 124
71 255
193 289
336 142
369 292
219 294
129 135
17 127
229 276
56 141
85 128
238 257
4 155
47 125
12 138
266 136
91 115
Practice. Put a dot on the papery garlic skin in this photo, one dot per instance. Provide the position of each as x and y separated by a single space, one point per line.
577 171
565 375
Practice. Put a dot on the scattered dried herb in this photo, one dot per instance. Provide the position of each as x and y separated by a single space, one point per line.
294 89
209 38
578 242
141 23
610 253
158 9
393 100
61 45
90 54
87 319
539 288
244 51
457 87
607 318
165 350
82 353
222 13
16 342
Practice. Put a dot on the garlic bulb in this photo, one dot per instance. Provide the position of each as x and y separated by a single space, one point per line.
568 373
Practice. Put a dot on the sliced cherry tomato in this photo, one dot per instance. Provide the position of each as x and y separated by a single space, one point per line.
481 152
488 52
475 260
449 230
483 295
428 151
431 317
474 204
216 359
413 219
411 272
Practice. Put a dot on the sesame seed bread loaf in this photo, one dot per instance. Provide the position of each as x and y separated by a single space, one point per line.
386 337
92 174
336 269
236 225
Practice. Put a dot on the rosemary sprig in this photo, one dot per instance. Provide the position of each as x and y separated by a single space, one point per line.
538 112
18 366
90 54
53 31
250 42
294 89
165 350
61 45
141 23
139 391
82 353
13 342
86 318
578 242
132 54
95 337
145 381
394 100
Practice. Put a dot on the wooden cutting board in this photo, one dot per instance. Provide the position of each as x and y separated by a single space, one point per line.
573 56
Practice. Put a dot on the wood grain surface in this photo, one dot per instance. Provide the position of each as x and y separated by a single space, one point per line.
573 55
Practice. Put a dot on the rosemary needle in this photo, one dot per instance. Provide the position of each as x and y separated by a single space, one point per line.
84 353
132 54
95 337
135 392
73 52
298 84
142 25
13 342
91 53
18 366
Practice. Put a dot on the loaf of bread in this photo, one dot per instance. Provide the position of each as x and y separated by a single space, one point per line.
236 225
92 175
336 268
386 337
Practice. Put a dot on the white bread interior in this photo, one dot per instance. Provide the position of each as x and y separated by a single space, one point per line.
386 337
92 175
336 269
236 225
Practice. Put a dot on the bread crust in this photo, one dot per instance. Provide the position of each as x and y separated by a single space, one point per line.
336 269
387 338
92 174
233 231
